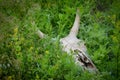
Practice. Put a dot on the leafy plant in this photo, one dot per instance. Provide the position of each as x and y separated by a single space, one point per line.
24 56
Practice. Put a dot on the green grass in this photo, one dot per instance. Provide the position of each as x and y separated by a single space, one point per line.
23 56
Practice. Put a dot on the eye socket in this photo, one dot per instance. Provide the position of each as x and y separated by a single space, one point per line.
85 44
75 50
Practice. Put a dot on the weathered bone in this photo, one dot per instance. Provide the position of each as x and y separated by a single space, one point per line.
40 34
75 28
71 43
75 47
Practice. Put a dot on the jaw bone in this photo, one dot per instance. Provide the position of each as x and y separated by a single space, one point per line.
71 43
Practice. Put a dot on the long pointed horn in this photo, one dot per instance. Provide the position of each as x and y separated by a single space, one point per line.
40 34
37 31
75 28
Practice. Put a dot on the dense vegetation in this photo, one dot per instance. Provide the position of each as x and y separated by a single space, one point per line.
23 56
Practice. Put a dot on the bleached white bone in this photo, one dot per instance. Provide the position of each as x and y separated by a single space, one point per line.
40 34
75 47
72 44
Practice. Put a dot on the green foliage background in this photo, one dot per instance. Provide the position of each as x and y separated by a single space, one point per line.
23 56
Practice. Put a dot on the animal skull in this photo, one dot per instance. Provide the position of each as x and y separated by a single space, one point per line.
71 44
